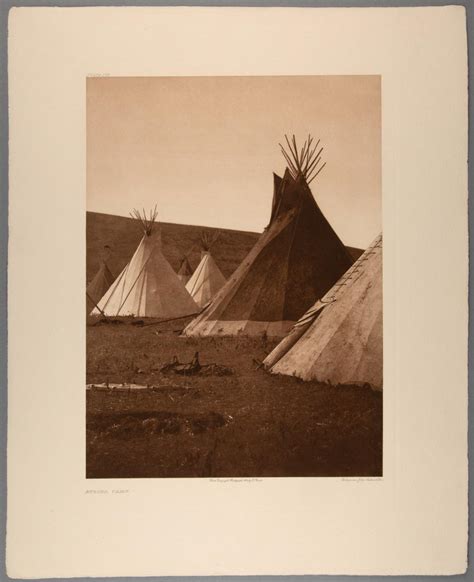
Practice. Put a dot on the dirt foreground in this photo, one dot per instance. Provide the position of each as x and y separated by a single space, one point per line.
247 423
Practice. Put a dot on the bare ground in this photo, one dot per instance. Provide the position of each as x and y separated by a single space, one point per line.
245 424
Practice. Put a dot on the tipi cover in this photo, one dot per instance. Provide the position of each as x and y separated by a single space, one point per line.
185 271
207 279
339 340
148 286
297 258
102 280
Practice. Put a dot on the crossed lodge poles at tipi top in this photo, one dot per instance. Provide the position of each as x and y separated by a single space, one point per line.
148 285
340 339
296 260
207 279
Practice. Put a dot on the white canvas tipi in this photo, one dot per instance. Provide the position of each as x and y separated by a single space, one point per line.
207 279
101 282
148 286
339 340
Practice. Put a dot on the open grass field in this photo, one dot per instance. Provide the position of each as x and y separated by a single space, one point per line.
245 424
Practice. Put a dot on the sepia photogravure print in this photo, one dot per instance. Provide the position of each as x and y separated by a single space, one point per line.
234 317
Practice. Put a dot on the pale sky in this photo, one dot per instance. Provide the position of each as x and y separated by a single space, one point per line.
204 148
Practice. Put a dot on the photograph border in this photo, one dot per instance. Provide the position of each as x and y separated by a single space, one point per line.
4 10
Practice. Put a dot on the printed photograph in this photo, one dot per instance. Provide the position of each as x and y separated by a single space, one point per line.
234 311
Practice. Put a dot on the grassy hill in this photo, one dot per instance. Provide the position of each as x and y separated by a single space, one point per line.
123 235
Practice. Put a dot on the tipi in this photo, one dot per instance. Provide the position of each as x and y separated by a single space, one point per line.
339 340
185 271
148 285
297 258
101 282
207 279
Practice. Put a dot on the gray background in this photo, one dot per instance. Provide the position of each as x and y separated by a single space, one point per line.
5 6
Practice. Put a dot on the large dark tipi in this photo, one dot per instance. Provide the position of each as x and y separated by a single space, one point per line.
296 259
